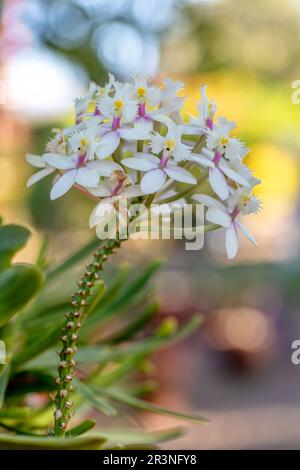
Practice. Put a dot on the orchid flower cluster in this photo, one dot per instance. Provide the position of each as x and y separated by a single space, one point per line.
130 140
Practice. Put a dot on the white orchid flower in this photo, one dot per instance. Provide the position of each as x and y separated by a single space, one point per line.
156 171
205 121
77 169
82 103
170 101
38 162
170 144
215 156
242 202
121 105
119 109
110 191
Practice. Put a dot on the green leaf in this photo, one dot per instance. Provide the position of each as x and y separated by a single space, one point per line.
4 377
12 239
15 413
136 325
130 437
134 402
99 292
98 403
73 259
133 293
18 284
82 428
88 442
102 354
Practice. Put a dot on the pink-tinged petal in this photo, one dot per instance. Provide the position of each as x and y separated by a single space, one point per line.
139 163
58 161
219 217
101 191
133 191
35 160
231 242
63 184
38 176
202 161
104 167
218 183
107 145
208 201
87 178
233 175
100 211
246 232
180 174
153 181
133 134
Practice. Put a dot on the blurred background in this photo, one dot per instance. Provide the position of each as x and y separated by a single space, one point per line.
237 370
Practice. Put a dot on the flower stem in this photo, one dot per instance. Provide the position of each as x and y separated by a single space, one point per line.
69 338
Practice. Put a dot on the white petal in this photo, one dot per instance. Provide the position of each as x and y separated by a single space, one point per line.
133 191
104 167
246 232
180 174
133 134
139 163
107 145
148 156
35 160
63 184
202 161
153 181
219 217
87 177
60 162
233 175
144 125
101 191
38 176
231 242
208 201
218 183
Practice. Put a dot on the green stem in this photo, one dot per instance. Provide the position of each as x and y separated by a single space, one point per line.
69 338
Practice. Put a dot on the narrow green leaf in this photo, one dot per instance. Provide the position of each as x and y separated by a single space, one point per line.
130 436
100 354
82 428
98 403
4 377
117 284
12 239
73 259
134 327
133 293
88 442
99 292
134 402
18 284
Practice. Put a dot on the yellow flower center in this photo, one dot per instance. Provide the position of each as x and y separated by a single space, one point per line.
224 141
141 92
118 105
170 144
245 200
84 142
